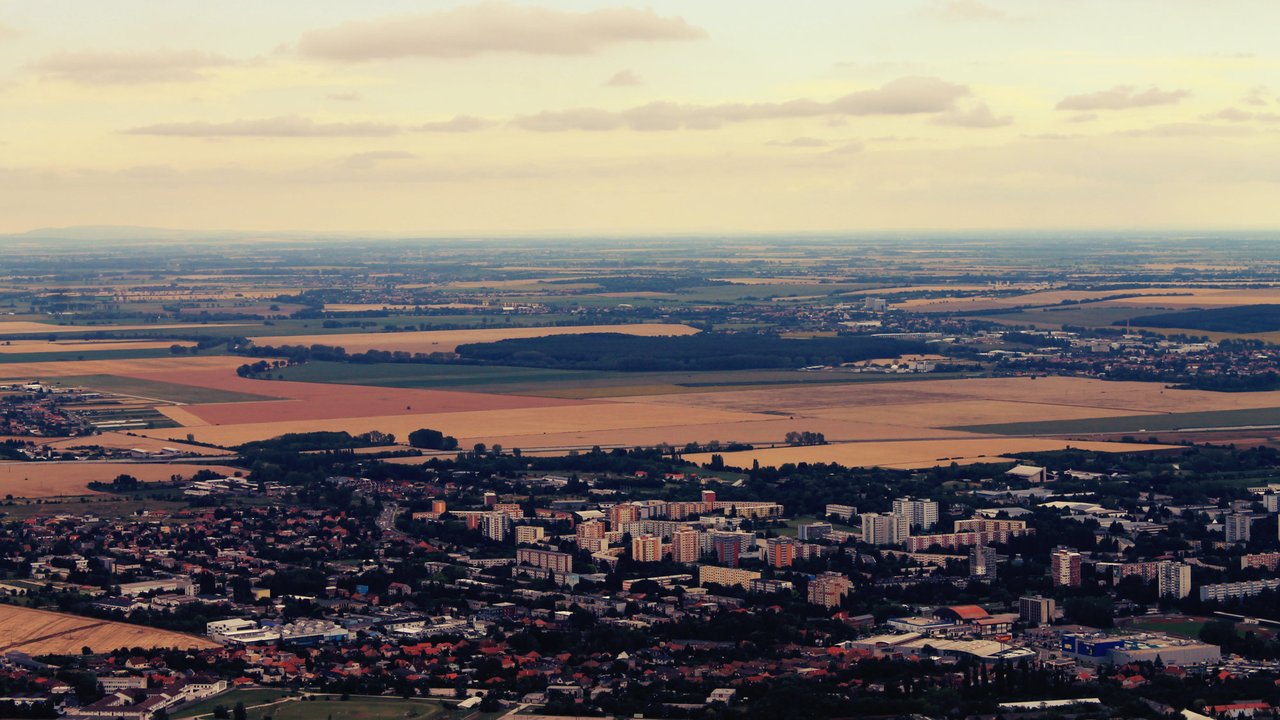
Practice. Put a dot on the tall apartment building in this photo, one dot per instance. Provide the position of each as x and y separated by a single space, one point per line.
878 529
916 513
495 526
1175 579
556 561
982 562
781 551
590 535
1064 567
529 533
622 513
829 589
1238 527
1036 609
646 548
728 549
685 546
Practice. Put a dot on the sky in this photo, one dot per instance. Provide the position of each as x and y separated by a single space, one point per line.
583 117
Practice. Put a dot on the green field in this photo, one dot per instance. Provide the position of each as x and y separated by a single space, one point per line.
357 708
1189 627
154 390
502 379
1258 417
251 697
124 354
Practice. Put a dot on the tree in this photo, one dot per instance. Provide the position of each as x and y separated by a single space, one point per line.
239 713
429 439
220 712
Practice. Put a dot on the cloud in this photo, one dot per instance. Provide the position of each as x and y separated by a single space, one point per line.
904 96
967 11
280 126
345 96
8 32
1255 96
1170 130
129 68
1083 118
800 142
456 124
366 160
624 78
493 27
978 116
1122 97
1232 114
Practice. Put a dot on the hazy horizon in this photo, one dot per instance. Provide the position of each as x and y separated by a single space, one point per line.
574 117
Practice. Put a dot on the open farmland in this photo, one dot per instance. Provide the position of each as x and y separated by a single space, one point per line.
475 424
429 341
22 347
128 367
40 632
34 328
53 479
911 454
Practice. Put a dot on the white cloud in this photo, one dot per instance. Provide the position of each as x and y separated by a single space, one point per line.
904 96
366 160
624 78
1232 114
456 124
493 27
967 11
1122 97
800 142
280 126
977 116
128 68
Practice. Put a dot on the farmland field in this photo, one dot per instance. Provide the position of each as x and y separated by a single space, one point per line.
16 347
566 383
1254 417
430 341
157 390
52 479
910 454
39 632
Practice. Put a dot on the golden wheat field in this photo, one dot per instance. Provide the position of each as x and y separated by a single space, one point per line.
14 347
429 341
39 632
53 479
909 454
16 327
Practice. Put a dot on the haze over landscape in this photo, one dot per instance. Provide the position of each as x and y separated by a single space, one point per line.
589 117
522 360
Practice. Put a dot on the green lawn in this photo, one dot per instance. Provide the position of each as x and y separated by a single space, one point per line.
168 392
250 697
1135 423
568 383
357 708
1188 628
